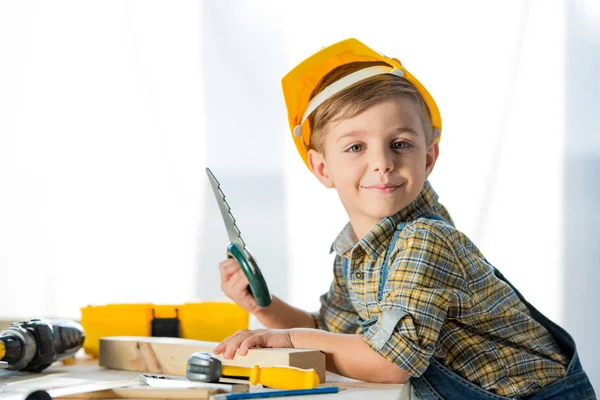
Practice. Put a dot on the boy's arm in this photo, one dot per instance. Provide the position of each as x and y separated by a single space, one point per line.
424 288
346 354
349 355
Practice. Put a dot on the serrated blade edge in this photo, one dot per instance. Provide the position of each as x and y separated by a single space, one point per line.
235 236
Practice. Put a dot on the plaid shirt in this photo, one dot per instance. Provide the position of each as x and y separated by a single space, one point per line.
440 299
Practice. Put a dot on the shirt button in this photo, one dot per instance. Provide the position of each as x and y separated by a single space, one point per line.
359 275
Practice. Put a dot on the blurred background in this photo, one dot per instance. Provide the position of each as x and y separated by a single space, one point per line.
111 110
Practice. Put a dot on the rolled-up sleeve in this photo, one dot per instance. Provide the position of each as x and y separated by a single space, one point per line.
337 313
424 287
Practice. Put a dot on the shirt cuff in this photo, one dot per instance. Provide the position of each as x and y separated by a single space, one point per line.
394 337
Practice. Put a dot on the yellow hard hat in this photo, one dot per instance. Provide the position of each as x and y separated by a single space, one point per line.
299 83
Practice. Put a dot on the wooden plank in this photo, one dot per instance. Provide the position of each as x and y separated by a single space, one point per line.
59 380
86 380
16 385
169 355
52 390
141 392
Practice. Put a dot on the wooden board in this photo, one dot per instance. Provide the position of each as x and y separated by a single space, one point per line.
58 380
86 380
16 385
141 392
169 355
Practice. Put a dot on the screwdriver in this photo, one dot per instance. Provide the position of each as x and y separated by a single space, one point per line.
204 367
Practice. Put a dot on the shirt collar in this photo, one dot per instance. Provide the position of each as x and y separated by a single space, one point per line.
377 239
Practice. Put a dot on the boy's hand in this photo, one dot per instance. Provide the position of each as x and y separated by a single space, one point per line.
235 285
244 340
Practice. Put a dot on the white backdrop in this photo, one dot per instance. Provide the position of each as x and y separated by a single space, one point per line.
101 147
111 110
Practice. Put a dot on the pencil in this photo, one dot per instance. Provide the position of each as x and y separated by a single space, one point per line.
274 393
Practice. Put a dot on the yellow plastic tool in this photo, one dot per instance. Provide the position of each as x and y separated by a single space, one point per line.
275 377
204 367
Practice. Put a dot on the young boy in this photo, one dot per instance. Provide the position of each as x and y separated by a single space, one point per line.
412 297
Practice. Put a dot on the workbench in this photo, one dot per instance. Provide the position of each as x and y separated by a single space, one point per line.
16 385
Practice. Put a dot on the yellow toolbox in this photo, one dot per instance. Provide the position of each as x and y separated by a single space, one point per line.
209 321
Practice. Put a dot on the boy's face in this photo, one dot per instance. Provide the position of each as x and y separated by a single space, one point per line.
377 161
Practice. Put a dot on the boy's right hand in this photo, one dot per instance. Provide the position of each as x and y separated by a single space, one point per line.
235 285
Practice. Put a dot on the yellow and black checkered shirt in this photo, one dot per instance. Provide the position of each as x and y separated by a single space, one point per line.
440 299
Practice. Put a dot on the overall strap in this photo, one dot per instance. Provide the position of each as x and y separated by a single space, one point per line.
346 269
562 338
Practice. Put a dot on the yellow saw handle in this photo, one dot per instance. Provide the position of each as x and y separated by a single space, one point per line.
276 377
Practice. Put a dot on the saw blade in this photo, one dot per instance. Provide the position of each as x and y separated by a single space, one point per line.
235 236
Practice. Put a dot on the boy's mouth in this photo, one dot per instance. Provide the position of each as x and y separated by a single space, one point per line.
382 188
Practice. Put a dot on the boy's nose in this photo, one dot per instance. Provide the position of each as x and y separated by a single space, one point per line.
382 161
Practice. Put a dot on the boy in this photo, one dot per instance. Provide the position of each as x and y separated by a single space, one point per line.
412 297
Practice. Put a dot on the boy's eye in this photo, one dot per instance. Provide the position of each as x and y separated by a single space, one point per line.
400 145
355 148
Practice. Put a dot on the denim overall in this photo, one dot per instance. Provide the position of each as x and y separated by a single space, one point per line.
440 383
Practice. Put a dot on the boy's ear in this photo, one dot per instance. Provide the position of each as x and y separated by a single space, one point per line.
318 166
432 155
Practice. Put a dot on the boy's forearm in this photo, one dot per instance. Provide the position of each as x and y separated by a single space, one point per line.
280 315
350 356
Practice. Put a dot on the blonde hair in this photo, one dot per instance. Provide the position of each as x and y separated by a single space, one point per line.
360 96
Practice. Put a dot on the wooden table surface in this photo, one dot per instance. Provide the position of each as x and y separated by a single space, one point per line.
16 385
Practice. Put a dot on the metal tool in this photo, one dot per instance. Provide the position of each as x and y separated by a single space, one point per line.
204 367
179 382
237 248
35 344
